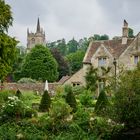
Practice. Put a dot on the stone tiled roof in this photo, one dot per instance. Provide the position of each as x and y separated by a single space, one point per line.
115 47
63 79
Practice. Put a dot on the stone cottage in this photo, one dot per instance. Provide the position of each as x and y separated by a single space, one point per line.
124 50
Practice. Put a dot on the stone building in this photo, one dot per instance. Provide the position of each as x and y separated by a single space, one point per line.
125 50
35 38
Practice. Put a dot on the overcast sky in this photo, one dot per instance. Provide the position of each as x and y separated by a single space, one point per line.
73 18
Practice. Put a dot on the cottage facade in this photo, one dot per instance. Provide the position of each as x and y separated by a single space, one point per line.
124 50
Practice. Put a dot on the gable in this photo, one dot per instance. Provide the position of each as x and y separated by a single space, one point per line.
101 52
133 48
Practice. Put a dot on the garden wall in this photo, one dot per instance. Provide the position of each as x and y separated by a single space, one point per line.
37 87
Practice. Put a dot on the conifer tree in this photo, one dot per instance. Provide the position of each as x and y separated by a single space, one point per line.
70 98
45 102
102 102
18 93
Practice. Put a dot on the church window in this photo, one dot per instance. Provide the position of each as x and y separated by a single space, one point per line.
33 41
136 59
101 61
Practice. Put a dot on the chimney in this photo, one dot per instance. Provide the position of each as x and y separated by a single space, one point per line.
125 32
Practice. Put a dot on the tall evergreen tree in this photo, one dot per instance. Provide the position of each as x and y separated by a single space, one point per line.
45 102
70 98
101 103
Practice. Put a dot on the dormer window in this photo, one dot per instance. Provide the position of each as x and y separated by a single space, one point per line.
136 59
101 61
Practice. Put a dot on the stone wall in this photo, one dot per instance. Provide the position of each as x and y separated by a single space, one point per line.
24 86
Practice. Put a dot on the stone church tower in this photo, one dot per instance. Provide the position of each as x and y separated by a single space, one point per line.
35 38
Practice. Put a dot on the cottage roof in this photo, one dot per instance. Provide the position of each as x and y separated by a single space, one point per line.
63 79
115 47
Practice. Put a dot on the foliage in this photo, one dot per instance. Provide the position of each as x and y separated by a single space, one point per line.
86 98
7 44
45 102
101 103
40 64
82 117
27 80
29 97
5 16
130 33
4 94
72 46
13 108
21 130
16 72
7 54
63 67
75 60
100 37
127 99
59 109
18 94
70 98
91 79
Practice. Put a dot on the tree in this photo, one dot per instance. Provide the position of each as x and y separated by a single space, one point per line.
7 44
16 72
101 103
127 99
130 33
63 67
72 46
91 79
104 37
70 98
45 102
61 45
83 44
75 60
39 64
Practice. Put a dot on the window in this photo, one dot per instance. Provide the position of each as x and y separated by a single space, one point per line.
101 61
76 84
33 41
136 59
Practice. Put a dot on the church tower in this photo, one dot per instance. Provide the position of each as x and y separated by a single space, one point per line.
35 38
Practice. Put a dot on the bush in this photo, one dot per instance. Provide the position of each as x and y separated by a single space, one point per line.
45 102
70 98
27 80
127 99
101 103
59 109
86 98
18 93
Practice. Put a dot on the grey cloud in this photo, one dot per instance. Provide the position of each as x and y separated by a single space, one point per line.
74 18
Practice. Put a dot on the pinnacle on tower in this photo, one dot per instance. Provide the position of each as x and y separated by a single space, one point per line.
38 26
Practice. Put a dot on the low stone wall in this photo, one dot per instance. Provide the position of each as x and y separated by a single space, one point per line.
37 87
25 86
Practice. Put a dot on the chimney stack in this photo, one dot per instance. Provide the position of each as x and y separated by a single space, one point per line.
125 32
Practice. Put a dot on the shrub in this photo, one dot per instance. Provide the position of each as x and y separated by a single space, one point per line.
59 109
45 102
127 99
101 103
18 93
86 98
70 98
27 80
